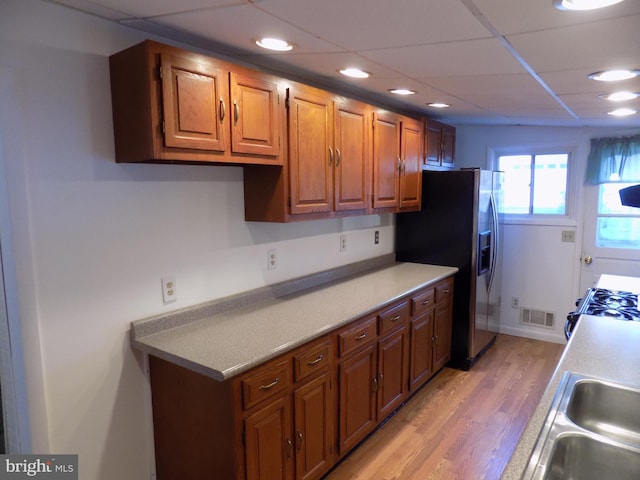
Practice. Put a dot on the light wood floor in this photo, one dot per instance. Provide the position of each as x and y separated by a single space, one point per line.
461 425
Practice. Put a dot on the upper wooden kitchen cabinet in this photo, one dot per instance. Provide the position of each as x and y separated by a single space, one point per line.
172 105
397 162
327 172
440 142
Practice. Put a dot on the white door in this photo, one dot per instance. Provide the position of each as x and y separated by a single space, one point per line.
611 237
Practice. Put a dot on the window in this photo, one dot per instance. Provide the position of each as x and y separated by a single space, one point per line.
616 226
534 184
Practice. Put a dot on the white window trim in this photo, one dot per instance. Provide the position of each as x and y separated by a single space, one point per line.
569 219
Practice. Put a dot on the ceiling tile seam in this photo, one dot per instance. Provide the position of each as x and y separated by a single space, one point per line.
505 43
195 10
125 15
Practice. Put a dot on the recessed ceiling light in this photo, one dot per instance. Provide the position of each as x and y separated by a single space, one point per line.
623 112
274 44
402 91
583 4
619 96
614 75
438 105
354 72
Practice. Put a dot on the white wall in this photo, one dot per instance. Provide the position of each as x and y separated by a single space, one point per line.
538 267
93 238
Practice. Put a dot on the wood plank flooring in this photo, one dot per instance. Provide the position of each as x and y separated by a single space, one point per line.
461 425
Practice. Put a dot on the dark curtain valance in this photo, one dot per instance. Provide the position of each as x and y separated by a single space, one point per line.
614 160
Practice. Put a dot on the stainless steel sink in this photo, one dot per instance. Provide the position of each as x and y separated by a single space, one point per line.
605 408
592 431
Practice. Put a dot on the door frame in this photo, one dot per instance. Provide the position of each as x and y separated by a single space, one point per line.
15 406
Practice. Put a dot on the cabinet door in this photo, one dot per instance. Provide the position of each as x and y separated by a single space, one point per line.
411 154
448 146
392 372
442 334
310 162
314 420
358 383
352 155
433 143
268 442
255 118
421 358
386 159
194 104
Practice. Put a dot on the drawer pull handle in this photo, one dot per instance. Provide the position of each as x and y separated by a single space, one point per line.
446 290
395 319
426 302
271 385
316 361
360 337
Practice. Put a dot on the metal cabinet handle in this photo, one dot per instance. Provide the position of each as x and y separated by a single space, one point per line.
301 438
360 337
289 447
223 110
426 302
399 164
338 157
446 290
374 384
271 385
316 361
236 112
395 319
330 156
381 380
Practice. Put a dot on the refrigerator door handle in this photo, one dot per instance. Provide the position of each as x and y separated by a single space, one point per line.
495 241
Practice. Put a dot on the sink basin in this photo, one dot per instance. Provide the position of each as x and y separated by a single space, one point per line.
582 457
607 409
592 431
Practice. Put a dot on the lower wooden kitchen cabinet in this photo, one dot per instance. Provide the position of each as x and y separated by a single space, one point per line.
294 416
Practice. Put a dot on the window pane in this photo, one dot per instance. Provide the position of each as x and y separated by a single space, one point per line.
516 193
618 232
609 200
550 184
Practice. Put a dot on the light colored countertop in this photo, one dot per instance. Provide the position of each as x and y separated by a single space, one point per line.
599 347
228 343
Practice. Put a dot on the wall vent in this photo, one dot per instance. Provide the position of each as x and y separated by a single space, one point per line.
539 318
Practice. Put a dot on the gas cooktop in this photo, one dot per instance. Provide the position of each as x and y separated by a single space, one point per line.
602 302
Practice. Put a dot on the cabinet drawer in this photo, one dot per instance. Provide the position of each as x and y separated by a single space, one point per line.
393 317
265 382
311 360
362 333
423 301
444 290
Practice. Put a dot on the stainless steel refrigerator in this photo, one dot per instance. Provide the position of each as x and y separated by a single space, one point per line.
458 226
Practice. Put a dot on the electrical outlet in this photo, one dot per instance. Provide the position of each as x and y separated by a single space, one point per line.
169 292
343 243
272 259
515 302
568 236
376 237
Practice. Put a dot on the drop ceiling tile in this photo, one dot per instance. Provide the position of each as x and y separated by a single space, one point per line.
95 9
472 57
510 17
152 8
609 43
576 81
370 24
240 25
